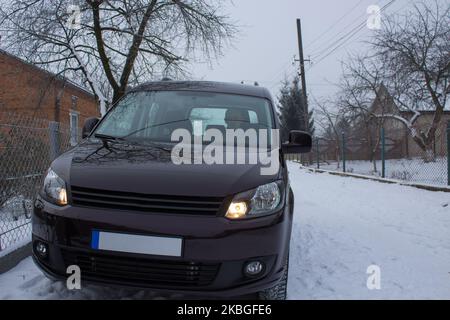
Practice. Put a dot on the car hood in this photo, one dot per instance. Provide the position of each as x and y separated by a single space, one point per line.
149 169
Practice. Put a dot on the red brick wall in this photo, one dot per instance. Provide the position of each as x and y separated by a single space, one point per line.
29 90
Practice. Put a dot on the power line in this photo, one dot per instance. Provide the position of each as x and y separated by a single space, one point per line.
351 32
334 49
340 42
284 68
334 24
320 51
279 73
344 39
339 45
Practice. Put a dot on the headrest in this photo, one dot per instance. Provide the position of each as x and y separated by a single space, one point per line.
237 115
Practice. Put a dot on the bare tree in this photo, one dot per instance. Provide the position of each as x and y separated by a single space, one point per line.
359 98
415 49
411 61
116 43
328 119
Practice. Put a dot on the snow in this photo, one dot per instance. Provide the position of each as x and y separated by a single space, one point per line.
17 244
14 235
411 170
409 123
25 281
15 223
341 227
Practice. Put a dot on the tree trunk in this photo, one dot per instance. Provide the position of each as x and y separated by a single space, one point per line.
429 155
426 145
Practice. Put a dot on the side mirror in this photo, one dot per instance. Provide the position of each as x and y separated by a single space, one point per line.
89 124
299 142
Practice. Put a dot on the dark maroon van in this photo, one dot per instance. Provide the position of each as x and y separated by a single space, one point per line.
130 210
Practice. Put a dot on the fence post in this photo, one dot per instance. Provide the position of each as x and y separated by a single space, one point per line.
343 151
53 128
383 160
448 153
317 152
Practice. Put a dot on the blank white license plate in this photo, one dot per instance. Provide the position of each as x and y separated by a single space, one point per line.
132 243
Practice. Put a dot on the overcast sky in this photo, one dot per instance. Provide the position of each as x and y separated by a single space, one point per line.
267 43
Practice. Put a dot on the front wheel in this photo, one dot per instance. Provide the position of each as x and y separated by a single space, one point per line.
279 291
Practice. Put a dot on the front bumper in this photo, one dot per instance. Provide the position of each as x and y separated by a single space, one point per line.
208 241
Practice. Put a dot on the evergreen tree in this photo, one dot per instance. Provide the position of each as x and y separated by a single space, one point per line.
291 106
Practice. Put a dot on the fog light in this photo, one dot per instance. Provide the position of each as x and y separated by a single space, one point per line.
41 249
253 268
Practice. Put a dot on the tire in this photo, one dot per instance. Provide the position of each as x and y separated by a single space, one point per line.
279 291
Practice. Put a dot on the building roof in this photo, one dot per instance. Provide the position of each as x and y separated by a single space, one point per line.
384 92
48 73
209 86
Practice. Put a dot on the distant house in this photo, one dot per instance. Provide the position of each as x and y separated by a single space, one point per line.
28 90
399 141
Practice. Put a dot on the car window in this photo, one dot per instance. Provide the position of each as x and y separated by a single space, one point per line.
253 116
154 115
215 118
121 121
209 117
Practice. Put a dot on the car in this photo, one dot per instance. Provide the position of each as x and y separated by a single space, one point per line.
125 210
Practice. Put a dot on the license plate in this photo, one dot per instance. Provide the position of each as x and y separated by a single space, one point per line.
132 243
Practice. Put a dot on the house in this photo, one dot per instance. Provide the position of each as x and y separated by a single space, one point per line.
363 139
400 143
30 91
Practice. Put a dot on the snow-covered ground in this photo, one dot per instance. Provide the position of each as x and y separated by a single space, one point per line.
15 224
342 225
14 234
412 170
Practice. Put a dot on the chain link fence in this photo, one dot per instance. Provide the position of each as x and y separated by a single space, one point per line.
27 146
389 154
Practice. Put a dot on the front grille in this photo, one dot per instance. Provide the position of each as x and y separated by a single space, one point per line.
140 271
143 202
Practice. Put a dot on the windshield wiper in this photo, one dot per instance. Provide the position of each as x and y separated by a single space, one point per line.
153 126
107 137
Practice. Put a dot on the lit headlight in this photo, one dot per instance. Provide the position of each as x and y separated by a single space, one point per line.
261 201
54 188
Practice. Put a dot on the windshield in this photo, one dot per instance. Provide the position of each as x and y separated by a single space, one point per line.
154 115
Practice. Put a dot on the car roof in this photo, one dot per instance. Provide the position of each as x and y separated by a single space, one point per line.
208 86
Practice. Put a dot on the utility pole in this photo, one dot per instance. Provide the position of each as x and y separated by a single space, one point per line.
302 72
